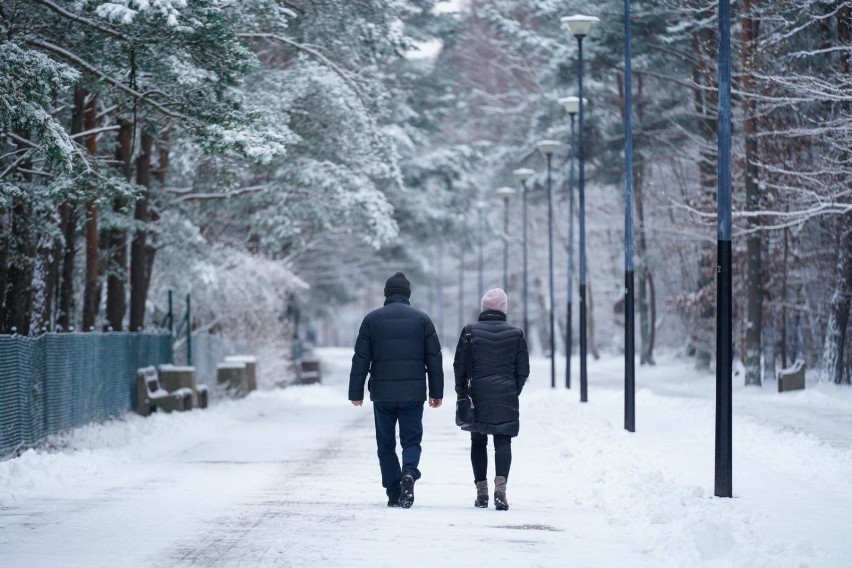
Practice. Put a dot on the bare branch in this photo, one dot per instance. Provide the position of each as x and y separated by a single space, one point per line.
67 55
83 20
309 50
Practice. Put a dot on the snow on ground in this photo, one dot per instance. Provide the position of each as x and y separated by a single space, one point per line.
290 478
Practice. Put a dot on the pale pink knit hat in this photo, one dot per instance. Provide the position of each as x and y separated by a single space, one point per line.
495 299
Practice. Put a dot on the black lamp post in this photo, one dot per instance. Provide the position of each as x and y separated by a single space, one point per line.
523 174
506 193
629 294
548 148
572 107
580 27
480 206
724 333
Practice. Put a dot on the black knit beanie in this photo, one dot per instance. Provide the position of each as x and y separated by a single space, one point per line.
398 284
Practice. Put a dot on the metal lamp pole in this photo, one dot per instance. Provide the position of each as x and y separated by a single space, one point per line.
724 334
461 285
580 27
548 148
629 296
572 106
506 193
523 174
480 206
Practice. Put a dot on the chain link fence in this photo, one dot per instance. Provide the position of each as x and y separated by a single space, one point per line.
59 381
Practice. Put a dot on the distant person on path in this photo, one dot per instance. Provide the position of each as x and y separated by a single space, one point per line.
491 366
398 346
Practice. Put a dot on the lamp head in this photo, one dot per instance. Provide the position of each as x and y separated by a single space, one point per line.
523 174
480 205
580 25
506 192
549 146
572 104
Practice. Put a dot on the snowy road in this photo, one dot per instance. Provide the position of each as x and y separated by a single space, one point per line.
290 478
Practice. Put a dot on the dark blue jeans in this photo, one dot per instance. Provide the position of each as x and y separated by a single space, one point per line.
410 418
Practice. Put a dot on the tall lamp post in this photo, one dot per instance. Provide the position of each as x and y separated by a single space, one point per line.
572 107
461 285
480 207
523 174
548 148
506 193
580 27
724 336
629 295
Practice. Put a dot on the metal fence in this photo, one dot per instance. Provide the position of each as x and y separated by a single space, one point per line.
59 381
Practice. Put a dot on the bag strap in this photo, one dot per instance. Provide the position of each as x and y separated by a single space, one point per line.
467 333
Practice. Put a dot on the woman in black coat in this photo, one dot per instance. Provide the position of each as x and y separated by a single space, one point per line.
499 368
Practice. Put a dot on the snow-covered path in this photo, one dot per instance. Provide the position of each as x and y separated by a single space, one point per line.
290 478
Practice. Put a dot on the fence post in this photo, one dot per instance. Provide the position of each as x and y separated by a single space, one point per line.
188 331
171 315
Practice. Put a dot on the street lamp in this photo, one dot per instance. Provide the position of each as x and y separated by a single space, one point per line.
629 294
724 333
480 206
523 174
506 193
572 107
548 148
580 26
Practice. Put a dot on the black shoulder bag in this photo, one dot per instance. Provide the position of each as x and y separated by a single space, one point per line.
465 409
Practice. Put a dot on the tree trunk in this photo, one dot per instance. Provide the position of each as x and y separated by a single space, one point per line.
5 245
92 292
838 312
65 302
754 243
647 316
68 222
590 324
117 271
19 291
153 216
138 256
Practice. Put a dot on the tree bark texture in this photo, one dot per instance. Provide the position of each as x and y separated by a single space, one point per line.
754 243
138 255
116 306
838 314
92 292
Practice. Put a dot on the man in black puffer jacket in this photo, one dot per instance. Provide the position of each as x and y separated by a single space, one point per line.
499 369
398 346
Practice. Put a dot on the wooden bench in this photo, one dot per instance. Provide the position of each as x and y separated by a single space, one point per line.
234 377
251 368
173 377
792 378
151 396
309 371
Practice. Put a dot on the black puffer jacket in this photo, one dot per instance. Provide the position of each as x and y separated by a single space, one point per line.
501 365
398 346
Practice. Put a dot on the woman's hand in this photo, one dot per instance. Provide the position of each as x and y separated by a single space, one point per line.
434 402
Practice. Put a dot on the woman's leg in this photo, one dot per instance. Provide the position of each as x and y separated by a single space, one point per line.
502 455
479 455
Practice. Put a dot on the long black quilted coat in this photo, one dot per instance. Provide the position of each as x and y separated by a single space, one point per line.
397 345
501 366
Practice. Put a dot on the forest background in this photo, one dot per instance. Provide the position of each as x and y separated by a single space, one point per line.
278 159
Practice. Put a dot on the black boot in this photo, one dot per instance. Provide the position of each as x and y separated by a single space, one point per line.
481 494
500 502
406 495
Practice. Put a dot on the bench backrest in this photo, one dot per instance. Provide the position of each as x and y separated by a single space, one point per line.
149 375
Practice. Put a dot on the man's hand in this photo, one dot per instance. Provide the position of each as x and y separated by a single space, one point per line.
434 402
357 402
